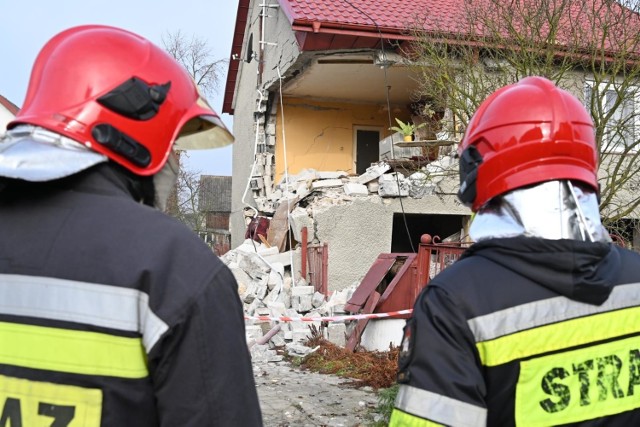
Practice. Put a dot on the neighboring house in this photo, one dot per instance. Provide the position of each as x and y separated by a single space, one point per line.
8 111
314 86
214 202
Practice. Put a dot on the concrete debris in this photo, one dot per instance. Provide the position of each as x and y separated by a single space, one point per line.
324 183
373 172
338 187
269 282
355 189
420 185
393 185
269 294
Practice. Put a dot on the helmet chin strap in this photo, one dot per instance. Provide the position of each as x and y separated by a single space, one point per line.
165 180
552 210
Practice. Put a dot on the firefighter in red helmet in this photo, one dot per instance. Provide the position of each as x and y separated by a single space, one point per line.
111 312
537 323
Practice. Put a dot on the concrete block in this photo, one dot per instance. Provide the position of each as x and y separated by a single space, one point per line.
336 333
278 340
250 308
393 185
253 332
307 175
299 218
373 186
305 303
265 205
354 189
298 350
279 296
338 310
261 291
373 172
326 183
302 290
270 129
330 174
242 278
250 293
318 299
275 276
253 265
300 336
283 258
276 309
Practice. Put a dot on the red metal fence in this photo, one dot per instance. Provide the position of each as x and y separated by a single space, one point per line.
395 280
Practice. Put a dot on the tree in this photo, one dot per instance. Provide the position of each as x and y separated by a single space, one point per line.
183 201
589 47
195 56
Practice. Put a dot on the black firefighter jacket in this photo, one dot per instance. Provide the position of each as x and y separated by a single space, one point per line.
114 314
528 332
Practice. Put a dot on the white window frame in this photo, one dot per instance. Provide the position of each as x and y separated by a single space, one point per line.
634 103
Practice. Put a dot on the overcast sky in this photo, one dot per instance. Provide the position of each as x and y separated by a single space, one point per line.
28 25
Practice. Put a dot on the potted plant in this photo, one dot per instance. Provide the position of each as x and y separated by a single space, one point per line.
406 129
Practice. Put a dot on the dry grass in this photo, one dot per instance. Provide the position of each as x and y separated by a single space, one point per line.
366 368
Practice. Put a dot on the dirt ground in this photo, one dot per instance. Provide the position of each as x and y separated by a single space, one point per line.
329 387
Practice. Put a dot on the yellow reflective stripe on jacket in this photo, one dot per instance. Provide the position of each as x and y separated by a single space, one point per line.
426 405
579 385
87 303
558 336
65 350
402 419
547 311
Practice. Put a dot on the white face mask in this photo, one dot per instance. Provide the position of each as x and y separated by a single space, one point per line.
164 181
551 210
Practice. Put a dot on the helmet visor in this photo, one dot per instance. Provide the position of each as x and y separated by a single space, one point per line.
203 132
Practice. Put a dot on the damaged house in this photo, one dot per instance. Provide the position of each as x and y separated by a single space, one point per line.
316 86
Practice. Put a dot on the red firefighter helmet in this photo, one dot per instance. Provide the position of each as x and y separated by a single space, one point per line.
120 95
522 134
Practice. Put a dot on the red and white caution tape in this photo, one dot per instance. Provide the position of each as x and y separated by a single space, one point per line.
330 318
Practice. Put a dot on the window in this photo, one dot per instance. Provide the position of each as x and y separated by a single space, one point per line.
619 114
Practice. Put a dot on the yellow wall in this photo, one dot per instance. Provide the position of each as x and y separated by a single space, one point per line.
320 135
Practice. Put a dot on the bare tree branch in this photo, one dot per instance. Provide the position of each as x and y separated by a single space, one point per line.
589 47
195 56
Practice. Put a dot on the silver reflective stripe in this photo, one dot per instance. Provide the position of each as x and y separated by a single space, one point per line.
439 408
88 303
545 312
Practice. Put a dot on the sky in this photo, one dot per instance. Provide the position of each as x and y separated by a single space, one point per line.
28 25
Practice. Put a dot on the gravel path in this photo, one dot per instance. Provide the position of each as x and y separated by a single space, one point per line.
292 397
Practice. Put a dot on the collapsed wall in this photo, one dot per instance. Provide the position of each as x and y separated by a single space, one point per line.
334 208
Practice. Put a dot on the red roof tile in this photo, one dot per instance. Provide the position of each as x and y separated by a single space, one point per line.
442 16
342 24
385 14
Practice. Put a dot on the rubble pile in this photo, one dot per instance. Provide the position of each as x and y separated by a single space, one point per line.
269 281
311 191
337 187
268 291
